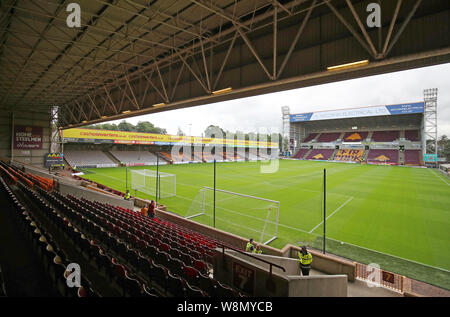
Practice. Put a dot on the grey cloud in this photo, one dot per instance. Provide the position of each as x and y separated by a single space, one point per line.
250 114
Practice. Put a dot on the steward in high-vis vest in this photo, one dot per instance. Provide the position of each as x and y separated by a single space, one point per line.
257 249
249 247
305 259
127 195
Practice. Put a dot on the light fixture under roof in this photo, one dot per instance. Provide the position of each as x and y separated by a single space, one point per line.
126 111
222 91
159 104
349 65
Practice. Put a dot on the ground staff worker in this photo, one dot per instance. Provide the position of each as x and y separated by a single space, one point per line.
305 259
249 247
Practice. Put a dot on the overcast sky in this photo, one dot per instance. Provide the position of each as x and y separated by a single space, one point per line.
264 111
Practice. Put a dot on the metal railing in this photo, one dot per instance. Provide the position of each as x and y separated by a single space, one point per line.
271 265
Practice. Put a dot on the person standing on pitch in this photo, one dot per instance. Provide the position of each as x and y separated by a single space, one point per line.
305 259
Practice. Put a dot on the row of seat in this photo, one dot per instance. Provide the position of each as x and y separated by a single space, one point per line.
165 247
152 231
53 260
149 262
83 234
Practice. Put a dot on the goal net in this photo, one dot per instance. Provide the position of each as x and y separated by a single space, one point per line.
243 215
151 183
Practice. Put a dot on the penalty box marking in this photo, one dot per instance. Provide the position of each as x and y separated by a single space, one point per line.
337 209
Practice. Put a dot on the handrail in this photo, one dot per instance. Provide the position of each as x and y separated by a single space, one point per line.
251 256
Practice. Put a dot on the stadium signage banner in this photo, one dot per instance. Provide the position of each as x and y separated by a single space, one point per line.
27 137
84 135
430 158
54 159
407 108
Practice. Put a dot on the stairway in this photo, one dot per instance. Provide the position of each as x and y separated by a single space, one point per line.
334 153
112 157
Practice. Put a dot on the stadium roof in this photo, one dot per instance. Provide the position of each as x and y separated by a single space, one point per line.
130 55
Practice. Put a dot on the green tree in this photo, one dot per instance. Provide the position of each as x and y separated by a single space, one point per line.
180 132
145 127
213 131
126 126
444 147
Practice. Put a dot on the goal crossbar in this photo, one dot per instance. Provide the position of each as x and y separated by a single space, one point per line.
266 220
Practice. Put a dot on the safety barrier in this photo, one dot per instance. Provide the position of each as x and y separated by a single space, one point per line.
379 277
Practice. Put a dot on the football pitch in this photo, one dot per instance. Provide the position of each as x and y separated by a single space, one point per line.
398 217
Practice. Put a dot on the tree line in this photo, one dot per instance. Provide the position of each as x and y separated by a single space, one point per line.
141 126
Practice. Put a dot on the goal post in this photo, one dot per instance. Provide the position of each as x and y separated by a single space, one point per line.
147 181
237 213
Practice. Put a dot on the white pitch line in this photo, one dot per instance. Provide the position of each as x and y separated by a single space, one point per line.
348 200
439 177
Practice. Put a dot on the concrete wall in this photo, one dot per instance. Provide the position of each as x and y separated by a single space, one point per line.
38 119
277 283
318 286
326 263
79 191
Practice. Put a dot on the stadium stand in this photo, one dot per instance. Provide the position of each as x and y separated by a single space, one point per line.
88 159
328 137
207 157
301 153
349 155
412 135
198 156
181 158
320 154
229 157
385 136
413 157
134 255
240 156
252 156
355 136
133 158
166 156
218 156
310 137
377 156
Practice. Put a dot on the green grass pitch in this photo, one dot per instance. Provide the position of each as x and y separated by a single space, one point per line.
382 214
